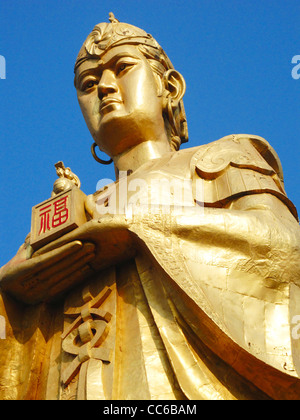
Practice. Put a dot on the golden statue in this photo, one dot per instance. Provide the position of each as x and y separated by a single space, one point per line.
183 282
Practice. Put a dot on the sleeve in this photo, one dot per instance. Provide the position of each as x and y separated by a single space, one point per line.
235 166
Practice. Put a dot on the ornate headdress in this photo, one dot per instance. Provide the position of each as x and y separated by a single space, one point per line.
107 35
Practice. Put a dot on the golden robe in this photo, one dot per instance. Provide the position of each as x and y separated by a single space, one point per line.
205 308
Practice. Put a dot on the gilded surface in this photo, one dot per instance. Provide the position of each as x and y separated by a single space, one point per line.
184 282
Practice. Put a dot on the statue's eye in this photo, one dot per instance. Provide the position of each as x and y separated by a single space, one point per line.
90 84
121 68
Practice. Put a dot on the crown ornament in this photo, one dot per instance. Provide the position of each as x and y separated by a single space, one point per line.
112 18
107 35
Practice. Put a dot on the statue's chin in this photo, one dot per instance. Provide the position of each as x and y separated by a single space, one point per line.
119 132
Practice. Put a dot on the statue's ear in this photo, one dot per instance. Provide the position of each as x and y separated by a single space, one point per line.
175 86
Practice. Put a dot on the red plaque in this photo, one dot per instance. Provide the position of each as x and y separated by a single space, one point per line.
57 216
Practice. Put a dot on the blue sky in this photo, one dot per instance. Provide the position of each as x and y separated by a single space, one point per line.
236 57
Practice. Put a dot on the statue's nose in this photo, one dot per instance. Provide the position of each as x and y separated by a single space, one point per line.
107 83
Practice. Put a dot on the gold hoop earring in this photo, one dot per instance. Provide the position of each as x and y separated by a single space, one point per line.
103 162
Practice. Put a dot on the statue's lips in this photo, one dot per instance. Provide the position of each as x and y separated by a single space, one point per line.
105 103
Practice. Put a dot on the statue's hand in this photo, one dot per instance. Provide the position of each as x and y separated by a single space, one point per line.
43 277
109 234
67 261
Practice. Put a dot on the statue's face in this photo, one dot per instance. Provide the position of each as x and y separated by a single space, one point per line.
118 96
